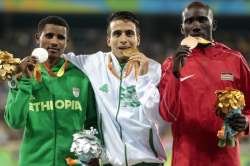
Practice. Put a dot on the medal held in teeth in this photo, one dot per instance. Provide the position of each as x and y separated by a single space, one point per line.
192 42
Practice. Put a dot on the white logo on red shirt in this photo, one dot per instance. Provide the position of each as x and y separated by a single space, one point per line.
187 77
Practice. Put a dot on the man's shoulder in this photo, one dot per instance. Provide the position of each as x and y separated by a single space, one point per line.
92 58
154 62
99 53
167 64
74 71
227 49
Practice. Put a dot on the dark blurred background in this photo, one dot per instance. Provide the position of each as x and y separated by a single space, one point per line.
160 35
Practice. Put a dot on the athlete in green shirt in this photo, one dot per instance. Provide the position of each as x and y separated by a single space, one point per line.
50 108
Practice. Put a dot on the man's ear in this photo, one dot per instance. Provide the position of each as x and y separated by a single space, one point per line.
214 25
182 30
138 40
108 40
37 37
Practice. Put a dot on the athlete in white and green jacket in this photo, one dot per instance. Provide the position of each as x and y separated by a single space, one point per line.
128 108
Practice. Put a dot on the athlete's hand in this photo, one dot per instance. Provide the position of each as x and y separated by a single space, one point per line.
93 162
178 59
141 62
27 66
239 122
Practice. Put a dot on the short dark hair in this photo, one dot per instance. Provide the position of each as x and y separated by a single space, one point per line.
123 15
56 20
199 5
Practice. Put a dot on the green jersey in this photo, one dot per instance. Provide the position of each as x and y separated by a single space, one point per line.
50 111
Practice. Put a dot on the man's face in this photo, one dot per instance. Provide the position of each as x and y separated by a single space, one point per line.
54 39
123 35
197 22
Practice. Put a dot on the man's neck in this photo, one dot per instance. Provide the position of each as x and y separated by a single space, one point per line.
52 61
121 59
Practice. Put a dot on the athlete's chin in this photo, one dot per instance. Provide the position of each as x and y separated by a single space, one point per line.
54 55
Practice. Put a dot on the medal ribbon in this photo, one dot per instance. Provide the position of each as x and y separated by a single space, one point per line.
111 69
60 73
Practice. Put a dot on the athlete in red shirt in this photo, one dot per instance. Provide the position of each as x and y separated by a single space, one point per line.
188 93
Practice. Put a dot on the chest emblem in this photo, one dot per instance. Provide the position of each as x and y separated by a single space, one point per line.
104 88
76 92
128 97
226 76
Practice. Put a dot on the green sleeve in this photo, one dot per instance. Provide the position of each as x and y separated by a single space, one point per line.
91 115
17 106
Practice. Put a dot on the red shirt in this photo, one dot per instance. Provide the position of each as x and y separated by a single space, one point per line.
189 103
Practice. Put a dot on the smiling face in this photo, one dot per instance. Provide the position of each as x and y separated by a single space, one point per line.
122 35
54 39
198 21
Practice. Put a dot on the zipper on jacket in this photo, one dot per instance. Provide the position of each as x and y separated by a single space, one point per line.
119 102
116 117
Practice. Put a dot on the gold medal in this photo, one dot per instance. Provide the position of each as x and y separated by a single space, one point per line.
130 51
190 42
202 41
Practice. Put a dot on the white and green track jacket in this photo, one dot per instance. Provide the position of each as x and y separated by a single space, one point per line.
128 109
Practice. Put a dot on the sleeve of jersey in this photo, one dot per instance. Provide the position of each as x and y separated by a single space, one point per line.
85 63
169 93
148 94
91 114
245 87
17 106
